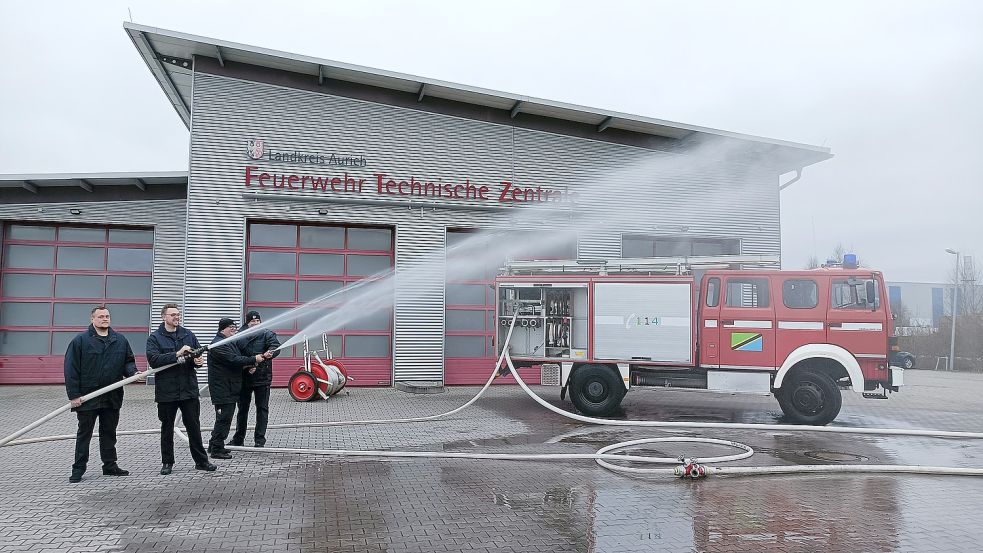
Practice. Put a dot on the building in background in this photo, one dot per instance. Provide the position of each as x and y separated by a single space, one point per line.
921 306
924 303
306 175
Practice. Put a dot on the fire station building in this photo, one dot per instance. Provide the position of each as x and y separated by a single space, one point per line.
306 175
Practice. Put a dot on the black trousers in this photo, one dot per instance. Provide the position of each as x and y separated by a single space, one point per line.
262 394
224 412
190 414
108 419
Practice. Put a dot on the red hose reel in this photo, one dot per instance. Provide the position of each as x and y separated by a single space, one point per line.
318 380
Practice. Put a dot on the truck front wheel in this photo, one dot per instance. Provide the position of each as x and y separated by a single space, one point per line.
810 397
596 390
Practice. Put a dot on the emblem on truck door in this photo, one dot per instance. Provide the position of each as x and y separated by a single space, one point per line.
745 341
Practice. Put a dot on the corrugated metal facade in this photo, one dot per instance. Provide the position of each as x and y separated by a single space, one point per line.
642 191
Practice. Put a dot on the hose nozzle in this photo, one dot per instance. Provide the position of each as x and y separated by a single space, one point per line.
195 352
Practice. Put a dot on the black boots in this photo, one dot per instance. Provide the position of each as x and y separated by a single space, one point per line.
108 470
220 454
114 470
166 468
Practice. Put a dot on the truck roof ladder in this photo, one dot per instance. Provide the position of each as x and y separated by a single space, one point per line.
642 265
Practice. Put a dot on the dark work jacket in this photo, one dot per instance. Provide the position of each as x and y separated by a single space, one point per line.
93 362
260 342
179 382
226 365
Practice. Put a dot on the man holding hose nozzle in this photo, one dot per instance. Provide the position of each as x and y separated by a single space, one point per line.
226 367
96 358
176 388
256 382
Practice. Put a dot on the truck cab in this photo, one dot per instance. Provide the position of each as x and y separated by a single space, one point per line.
812 332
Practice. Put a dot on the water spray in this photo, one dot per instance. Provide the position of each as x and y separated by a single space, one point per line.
593 212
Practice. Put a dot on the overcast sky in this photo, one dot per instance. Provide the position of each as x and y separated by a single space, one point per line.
894 88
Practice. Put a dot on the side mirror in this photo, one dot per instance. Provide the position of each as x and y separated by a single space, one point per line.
871 294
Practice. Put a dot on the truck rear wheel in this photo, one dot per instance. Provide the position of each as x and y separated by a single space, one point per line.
810 397
596 390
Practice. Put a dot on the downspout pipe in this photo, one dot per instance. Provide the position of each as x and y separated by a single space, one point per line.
798 175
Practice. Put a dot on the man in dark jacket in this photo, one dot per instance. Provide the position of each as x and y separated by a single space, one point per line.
256 382
226 365
176 388
97 358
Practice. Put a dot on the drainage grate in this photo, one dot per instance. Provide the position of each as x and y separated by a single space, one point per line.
420 387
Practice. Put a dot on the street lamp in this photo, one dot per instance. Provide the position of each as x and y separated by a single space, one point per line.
955 304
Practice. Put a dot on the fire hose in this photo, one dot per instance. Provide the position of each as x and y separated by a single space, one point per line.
683 467
187 358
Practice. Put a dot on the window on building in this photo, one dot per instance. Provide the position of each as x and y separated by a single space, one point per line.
52 276
747 292
938 306
675 246
894 296
800 294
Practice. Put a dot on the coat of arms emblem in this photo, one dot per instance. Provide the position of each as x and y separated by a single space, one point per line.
255 149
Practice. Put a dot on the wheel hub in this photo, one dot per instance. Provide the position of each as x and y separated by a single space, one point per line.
808 398
594 390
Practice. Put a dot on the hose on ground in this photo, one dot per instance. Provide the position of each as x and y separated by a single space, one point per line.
683 467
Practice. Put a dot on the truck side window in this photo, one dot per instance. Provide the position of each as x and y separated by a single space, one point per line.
852 294
747 292
800 294
713 292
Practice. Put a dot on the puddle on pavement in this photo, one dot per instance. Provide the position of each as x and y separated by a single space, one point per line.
797 514
700 418
515 439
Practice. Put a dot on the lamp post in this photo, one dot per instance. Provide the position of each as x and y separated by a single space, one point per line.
955 305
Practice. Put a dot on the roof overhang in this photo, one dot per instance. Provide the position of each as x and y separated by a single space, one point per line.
170 57
89 182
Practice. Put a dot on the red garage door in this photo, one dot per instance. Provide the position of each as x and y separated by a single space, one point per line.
469 349
289 265
469 353
52 276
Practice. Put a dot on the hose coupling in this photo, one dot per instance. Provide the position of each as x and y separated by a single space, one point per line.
692 470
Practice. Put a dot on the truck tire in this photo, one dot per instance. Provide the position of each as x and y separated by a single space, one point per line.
810 397
596 390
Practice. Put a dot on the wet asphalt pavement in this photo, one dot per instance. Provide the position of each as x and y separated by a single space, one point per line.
273 502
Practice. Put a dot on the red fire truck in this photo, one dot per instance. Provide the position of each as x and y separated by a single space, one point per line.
726 324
